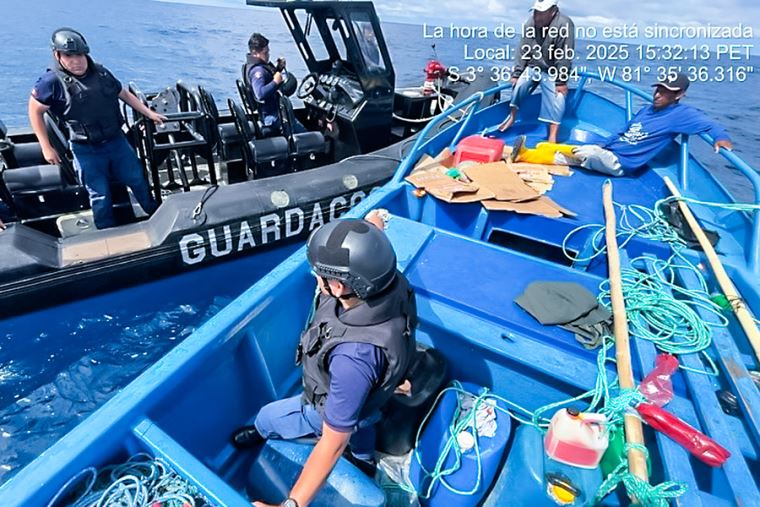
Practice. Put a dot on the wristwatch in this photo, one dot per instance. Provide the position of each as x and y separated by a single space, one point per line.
289 503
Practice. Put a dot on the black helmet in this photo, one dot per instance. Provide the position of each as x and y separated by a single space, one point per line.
288 85
355 252
69 42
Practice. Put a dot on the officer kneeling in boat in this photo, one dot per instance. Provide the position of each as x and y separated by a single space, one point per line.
85 95
267 81
354 353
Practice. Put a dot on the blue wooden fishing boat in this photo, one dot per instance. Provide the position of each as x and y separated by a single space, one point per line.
467 266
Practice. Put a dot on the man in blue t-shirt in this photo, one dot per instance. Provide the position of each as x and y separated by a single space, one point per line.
647 134
354 353
85 96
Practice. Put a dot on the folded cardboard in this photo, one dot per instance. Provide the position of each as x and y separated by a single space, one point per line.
436 182
505 185
540 206
500 186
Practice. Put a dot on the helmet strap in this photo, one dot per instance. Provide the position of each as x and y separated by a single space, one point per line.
331 293
327 286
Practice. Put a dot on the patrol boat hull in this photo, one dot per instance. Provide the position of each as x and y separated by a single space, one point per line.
189 231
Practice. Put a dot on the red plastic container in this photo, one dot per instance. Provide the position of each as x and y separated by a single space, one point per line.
479 149
576 439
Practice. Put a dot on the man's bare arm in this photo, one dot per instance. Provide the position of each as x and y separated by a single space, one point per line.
141 108
321 461
36 118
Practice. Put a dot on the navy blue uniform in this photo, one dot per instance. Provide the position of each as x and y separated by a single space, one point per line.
49 89
261 78
89 105
355 369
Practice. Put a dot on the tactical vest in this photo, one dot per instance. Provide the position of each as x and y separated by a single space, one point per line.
92 105
250 63
386 320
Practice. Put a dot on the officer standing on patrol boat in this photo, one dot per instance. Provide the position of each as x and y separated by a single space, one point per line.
266 80
85 95
354 353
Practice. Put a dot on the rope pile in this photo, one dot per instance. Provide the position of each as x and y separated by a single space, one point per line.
142 481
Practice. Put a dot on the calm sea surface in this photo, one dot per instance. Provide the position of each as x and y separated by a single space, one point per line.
54 371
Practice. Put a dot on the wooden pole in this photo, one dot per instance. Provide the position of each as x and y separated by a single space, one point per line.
634 431
726 285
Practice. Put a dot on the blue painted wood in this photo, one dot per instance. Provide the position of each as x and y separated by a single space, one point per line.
162 445
733 367
737 471
675 458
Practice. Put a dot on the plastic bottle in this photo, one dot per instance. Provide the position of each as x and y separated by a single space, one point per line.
577 439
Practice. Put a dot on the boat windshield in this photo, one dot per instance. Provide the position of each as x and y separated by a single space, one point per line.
367 40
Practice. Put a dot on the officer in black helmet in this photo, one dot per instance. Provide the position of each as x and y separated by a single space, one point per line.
267 81
85 95
354 353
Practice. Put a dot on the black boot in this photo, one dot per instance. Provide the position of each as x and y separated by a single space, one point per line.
368 468
246 437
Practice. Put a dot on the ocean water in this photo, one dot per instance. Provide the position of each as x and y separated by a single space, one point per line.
60 364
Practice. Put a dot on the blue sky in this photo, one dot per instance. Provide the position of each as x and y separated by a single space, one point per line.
610 13
690 12
723 12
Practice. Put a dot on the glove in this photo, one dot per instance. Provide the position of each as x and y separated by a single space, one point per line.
280 65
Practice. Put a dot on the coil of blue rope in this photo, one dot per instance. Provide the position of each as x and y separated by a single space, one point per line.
142 481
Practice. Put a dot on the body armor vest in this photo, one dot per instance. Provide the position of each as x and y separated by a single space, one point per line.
386 320
92 105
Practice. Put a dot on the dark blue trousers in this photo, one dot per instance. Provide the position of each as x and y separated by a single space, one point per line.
289 419
111 161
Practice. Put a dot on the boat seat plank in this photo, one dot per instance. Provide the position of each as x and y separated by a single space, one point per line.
447 327
731 363
498 271
184 463
737 471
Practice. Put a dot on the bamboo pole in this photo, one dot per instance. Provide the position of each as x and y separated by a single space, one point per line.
634 431
726 285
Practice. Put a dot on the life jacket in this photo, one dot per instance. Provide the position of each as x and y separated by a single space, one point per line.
92 112
250 63
386 320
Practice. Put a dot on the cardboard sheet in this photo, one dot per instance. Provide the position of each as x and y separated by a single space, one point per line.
505 184
541 188
435 182
498 185
445 158
559 170
541 206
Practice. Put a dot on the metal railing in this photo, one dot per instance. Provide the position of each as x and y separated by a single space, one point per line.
472 105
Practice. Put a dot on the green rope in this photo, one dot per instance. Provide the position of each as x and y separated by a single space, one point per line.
658 309
646 494
655 315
